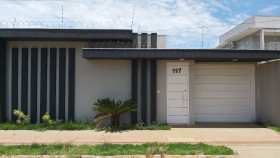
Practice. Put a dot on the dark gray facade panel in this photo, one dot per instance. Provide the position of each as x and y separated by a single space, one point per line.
33 86
134 89
52 92
24 80
144 91
62 72
153 90
209 55
43 83
66 34
153 40
144 40
14 82
71 85
135 40
3 66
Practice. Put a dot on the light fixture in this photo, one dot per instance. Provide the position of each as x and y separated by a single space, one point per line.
234 59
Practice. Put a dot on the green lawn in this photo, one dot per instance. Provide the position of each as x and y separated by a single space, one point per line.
116 149
80 126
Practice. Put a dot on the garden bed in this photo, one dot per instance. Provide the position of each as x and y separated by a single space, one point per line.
80 126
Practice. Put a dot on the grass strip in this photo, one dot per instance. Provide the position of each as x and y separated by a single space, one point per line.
116 149
268 125
80 126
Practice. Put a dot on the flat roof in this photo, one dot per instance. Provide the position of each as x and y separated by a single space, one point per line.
203 55
65 34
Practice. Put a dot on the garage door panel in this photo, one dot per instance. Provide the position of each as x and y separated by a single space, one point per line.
223 109
177 87
223 102
223 118
177 103
223 87
222 79
224 92
178 119
221 95
177 111
222 72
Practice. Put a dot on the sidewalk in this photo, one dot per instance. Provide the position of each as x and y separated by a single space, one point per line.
252 134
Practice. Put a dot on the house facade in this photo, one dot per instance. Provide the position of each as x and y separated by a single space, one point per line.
64 72
257 33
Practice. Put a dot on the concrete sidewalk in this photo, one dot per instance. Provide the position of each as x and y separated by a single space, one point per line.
248 140
200 133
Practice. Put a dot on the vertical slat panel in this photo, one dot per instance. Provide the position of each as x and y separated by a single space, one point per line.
62 67
14 82
154 40
43 89
71 85
3 62
52 92
144 91
144 39
135 40
153 91
24 80
33 94
134 89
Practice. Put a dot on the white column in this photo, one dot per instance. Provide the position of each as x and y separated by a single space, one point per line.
262 39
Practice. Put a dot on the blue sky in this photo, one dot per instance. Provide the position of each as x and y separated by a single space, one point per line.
180 20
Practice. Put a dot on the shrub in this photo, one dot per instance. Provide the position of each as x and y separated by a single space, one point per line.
23 119
110 109
47 119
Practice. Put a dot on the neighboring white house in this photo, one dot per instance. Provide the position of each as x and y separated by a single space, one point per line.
258 32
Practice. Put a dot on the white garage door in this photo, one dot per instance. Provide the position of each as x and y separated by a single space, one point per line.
225 92
178 93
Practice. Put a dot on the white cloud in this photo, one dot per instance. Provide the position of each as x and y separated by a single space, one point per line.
238 18
268 10
150 15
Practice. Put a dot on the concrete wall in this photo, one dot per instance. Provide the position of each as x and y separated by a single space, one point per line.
268 92
94 79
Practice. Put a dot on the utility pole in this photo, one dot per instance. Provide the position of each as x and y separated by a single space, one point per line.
202 36
62 16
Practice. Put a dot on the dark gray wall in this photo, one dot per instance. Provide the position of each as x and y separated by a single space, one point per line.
268 92
3 62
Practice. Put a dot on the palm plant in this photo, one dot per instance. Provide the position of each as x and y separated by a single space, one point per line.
110 109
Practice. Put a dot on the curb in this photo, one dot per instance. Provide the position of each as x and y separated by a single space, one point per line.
121 156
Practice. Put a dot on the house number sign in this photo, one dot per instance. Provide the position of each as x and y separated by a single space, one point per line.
176 70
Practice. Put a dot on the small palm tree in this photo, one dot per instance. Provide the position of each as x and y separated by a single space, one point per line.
110 109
